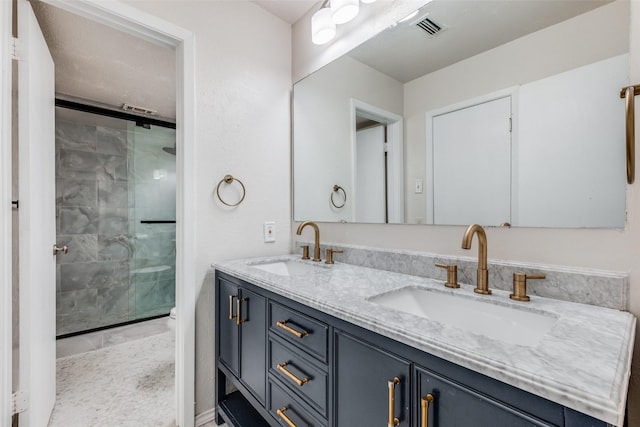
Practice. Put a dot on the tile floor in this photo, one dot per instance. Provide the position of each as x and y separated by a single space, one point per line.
118 377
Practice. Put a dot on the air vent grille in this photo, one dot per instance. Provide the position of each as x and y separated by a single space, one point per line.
136 109
429 26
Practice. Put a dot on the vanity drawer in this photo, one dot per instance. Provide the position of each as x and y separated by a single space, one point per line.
289 410
303 331
300 374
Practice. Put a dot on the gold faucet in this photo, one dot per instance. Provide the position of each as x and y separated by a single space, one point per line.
316 246
483 274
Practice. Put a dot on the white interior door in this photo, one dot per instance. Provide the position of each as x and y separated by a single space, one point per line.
36 97
472 164
370 193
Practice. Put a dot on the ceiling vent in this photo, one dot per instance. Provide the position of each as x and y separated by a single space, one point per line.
429 26
139 110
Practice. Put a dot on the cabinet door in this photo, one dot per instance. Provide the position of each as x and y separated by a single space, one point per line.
444 403
365 391
227 325
252 311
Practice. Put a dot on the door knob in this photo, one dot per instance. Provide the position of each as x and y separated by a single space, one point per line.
56 250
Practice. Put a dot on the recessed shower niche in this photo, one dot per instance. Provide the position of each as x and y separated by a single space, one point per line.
115 211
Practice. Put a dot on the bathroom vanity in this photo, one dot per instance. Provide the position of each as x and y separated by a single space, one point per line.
300 343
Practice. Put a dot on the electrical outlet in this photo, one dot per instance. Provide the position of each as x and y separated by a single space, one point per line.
269 231
418 186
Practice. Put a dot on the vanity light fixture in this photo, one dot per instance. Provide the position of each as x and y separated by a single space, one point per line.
332 12
343 11
323 30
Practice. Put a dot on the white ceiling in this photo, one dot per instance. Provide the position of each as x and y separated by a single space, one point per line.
100 64
287 10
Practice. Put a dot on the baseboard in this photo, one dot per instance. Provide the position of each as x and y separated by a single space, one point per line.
205 417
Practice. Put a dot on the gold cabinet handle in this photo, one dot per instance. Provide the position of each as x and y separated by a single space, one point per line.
281 414
424 402
393 421
231 315
290 375
239 318
283 324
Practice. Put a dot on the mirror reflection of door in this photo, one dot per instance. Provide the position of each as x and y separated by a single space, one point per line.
472 164
371 174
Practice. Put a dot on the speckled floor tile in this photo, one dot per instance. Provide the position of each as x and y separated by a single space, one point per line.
129 384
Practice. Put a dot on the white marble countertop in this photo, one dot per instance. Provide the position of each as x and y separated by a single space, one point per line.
583 362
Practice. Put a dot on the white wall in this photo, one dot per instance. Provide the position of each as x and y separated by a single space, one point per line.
324 128
547 52
243 81
601 249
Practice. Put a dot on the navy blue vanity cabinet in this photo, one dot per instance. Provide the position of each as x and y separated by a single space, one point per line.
292 365
445 403
242 327
372 386
298 367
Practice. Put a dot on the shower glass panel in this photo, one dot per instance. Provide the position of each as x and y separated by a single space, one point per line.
152 212
110 175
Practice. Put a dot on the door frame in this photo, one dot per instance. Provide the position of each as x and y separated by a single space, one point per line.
141 24
395 157
6 302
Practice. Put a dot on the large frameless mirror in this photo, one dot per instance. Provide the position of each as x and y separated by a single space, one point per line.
492 112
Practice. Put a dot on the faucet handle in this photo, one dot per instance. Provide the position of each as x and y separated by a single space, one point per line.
452 275
329 255
305 251
520 285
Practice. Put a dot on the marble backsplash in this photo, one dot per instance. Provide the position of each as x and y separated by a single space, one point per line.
595 287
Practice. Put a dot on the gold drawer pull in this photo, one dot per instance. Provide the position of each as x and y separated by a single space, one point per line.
292 377
424 402
393 421
239 318
281 414
231 315
283 324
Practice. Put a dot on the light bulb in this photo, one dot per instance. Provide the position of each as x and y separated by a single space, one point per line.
323 30
343 11
367 1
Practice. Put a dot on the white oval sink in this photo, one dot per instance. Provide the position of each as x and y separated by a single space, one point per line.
507 324
288 267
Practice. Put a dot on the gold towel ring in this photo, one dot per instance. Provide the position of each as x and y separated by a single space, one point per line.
629 93
337 188
228 179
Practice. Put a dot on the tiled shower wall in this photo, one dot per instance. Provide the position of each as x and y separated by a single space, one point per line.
96 280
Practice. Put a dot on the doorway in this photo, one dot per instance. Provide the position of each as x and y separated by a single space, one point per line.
377 164
149 27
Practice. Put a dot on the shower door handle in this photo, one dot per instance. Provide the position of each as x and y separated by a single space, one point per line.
56 249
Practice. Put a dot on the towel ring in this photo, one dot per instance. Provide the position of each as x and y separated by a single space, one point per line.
228 179
337 188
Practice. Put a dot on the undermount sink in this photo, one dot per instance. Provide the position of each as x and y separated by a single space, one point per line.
288 267
507 324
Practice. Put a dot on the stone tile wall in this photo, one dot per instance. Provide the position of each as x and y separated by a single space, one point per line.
102 280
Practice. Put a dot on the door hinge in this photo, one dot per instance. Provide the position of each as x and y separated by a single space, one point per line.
20 401
15 49
510 124
16 203
386 147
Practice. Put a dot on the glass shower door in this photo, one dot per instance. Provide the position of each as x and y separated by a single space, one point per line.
152 221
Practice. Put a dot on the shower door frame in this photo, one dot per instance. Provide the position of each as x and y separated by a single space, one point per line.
141 24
